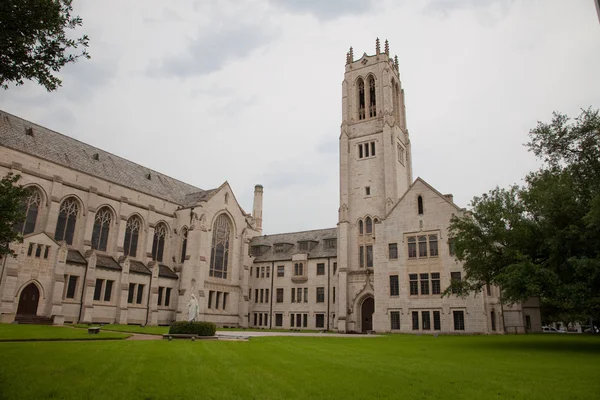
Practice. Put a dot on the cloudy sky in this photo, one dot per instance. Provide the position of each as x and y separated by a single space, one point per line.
250 91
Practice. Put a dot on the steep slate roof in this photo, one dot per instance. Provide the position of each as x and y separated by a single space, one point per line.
138 267
75 257
166 272
71 153
105 261
294 237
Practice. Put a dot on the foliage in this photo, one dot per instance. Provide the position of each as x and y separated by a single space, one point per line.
201 328
34 43
11 212
392 367
541 239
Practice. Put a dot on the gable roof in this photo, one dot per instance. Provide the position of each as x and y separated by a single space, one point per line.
419 179
318 235
27 137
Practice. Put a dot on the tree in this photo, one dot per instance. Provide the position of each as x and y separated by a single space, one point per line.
11 212
542 239
34 43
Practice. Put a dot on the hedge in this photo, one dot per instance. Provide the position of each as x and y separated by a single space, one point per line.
198 328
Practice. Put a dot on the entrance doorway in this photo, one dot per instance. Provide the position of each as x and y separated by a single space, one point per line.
367 310
28 301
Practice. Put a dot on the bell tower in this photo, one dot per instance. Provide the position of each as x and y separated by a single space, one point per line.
375 162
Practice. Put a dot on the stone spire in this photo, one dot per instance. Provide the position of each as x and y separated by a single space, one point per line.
387 47
377 47
347 58
351 52
396 62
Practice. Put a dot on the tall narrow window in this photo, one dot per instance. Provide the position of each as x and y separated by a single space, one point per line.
422 246
426 320
437 321
372 149
184 235
30 207
412 247
393 251
372 99
396 102
424 283
394 286
360 227
369 256
360 151
415 320
455 276
101 229
219 256
158 243
132 232
436 287
361 99
433 246
369 225
361 256
67 216
414 284
420 204
395 320
459 320
493 317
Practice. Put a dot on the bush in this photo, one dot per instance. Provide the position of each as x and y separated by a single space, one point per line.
196 328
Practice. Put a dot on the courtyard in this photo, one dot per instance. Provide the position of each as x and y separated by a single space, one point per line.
385 367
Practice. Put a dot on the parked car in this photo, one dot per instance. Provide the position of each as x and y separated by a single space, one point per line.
549 329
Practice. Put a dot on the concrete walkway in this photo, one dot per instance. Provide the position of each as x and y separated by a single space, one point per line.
142 336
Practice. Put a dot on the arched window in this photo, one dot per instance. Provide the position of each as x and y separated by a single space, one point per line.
396 101
67 217
101 229
361 99
158 243
219 255
420 204
132 234
184 234
372 99
360 227
369 225
30 207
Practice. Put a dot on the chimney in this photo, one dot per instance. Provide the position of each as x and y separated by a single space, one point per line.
258 207
449 197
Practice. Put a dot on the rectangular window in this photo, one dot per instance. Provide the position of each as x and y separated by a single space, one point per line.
292 319
108 290
279 295
334 268
412 247
360 151
426 320
293 295
414 284
280 271
255 319
130 294
278 248
369 256
493 318
260 319
424 283
160 294
305 294
303 246
361 256
210 300
140 294
528 322
433 246
455 276
366 149
436 287
298 320
268 272
258 272
71 286
320 269
30 249
299 295
279 320
98 289
372 149
305 320
367 190
217 300
400 154
488 289
415 320
320 320
267 299
451 246
256 295
334 295
422 246
320 295
393 251
394 285
262 293
46 251
262 272
437 321
225 295
395 320
168 297
266 319
38 251
459 320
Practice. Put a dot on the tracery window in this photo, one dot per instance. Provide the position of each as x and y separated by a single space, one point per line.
372 99
360 227
67 218
184 234
101 229
30 206
361 99
158 243
219 256
369 225
132 232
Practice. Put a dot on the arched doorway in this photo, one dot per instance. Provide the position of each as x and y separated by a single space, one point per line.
366 311
29 299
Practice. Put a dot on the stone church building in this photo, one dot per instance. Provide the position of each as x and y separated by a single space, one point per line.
110 241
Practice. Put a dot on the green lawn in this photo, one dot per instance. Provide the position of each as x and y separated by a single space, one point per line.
388 367
14 332
159 330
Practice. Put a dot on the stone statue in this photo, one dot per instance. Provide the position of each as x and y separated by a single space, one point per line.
193 309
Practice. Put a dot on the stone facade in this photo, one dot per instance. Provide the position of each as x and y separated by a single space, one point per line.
108 240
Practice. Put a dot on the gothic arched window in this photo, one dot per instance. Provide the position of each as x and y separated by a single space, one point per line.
396 101
158 243
132 234
361 99
369 225
30 206
360 227
184 235
372 99
420 204
67 218
101 229
219 255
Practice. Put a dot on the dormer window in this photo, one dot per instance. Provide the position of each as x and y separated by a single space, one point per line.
330 243
303 246
279 248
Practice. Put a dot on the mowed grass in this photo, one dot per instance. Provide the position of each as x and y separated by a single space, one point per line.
160 330
389 367
14 332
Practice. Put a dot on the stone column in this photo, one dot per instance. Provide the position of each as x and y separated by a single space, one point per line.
153 293
8 284
123 293
59 286
87 302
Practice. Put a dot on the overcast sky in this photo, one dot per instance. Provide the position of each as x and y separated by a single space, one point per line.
250 91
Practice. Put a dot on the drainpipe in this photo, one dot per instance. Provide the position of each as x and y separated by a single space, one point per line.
328 288
271 296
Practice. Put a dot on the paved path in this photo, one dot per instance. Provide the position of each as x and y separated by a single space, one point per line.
142 336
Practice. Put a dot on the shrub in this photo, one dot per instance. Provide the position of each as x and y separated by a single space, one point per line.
201 328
